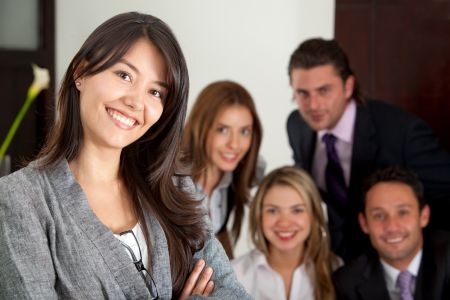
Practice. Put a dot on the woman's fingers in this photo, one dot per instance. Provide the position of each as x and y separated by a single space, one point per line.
199 281
192 279
202 282
209 288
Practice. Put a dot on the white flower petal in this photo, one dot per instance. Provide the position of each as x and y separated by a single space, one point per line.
41 77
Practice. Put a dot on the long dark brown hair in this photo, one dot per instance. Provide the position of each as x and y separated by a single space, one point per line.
149 164
212 100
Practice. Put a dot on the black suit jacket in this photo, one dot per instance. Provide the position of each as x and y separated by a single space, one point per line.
383 135
363 278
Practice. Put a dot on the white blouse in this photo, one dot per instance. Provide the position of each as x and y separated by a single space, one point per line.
135 244
262 282
217 204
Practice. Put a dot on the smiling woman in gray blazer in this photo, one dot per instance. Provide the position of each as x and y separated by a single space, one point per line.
98 214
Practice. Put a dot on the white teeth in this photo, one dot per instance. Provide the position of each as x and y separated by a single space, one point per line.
122 119
285 234
229 156
394 240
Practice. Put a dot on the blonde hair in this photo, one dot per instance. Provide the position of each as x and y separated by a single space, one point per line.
317 246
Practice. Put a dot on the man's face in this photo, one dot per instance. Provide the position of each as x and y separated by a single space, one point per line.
321 95
394 222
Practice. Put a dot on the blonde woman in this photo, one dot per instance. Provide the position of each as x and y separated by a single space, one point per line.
292 257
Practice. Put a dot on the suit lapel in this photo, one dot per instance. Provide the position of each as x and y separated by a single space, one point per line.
373 287
307 147
364 147
427 276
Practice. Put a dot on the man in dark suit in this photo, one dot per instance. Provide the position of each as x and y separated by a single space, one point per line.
340 138
405 262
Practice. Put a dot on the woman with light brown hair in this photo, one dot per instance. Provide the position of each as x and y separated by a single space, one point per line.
292 259
221 142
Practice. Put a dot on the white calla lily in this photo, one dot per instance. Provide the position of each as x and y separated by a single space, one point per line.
41 79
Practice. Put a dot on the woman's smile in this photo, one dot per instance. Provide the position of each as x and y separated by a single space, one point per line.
121 120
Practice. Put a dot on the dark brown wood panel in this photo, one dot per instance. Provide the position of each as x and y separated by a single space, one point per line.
401 53
356 24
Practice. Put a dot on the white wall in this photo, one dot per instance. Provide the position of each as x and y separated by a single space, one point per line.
248 41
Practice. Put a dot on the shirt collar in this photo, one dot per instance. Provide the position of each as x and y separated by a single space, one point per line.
344 127
224 182
391 273
260 261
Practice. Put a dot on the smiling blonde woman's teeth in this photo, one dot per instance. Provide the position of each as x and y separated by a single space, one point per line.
285 234
122 119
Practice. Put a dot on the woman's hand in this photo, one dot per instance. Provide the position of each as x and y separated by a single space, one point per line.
198 282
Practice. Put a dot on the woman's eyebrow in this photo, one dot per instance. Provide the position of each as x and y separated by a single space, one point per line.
126 62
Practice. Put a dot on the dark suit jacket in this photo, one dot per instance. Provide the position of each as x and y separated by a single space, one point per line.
384 135
363 278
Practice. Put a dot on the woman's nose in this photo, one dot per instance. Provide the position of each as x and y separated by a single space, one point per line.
233 141
135 101
284 219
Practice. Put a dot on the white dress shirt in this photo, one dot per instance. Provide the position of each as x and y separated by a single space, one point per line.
217 204
262 282
391 274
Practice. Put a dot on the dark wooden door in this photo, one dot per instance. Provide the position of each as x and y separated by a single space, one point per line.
400 50
16 76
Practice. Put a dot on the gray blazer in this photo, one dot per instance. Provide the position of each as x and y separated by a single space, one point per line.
53 246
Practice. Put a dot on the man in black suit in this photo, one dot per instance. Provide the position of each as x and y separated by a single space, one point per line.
405 263
340 138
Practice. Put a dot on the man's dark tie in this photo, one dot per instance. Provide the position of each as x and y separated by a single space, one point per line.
334 175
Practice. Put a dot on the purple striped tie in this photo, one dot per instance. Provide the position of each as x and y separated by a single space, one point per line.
334 175
404 284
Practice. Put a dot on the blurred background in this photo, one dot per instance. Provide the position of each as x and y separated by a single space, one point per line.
400 49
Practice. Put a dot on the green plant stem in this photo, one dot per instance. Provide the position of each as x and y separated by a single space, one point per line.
32 93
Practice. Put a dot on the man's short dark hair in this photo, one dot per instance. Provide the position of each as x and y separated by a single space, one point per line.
395 174
318 52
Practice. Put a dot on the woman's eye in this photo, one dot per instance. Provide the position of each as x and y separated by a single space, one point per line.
124 75
298 210
246 131
156 93
271 211
222 130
